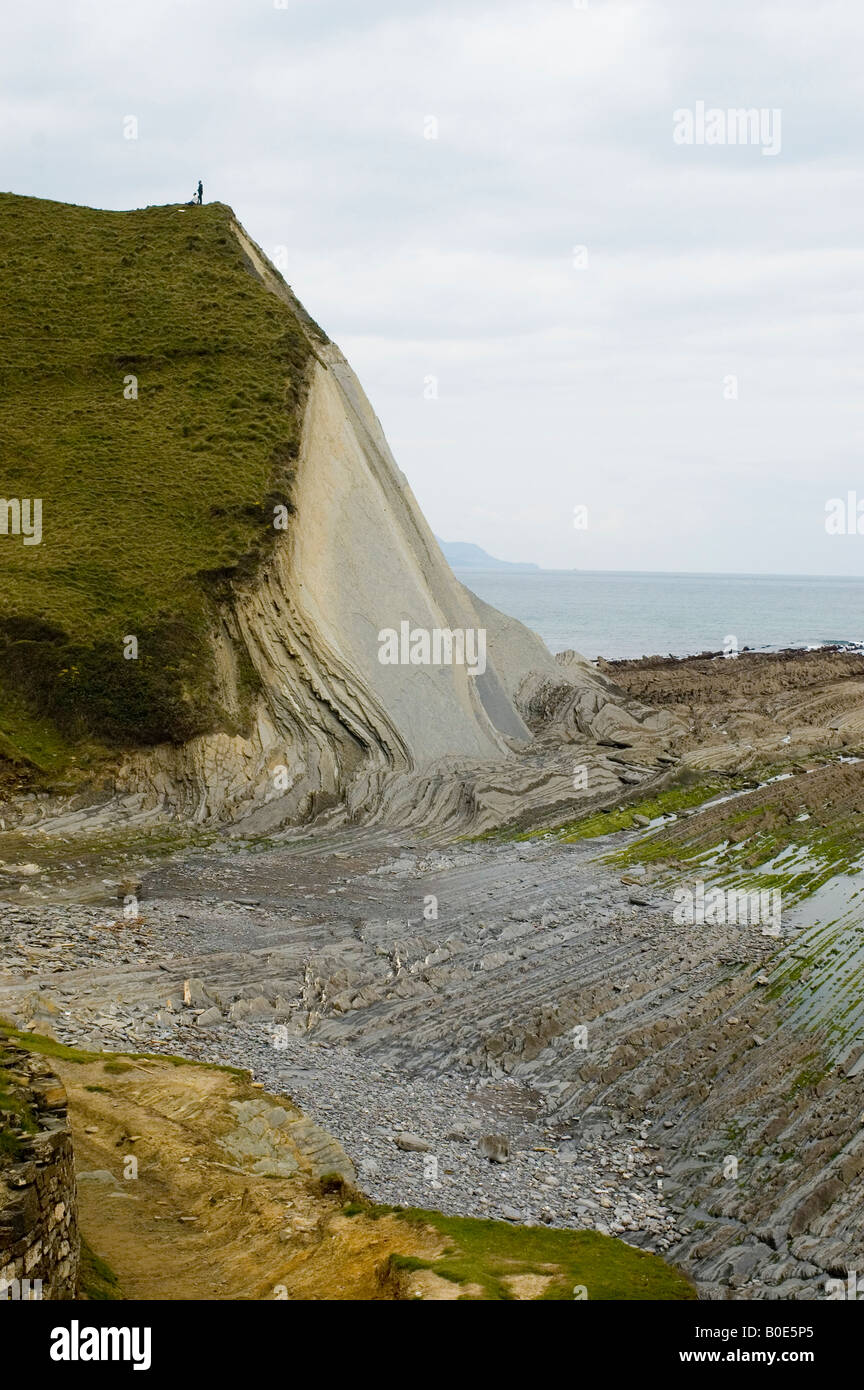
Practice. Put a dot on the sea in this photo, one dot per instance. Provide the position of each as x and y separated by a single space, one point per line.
622 614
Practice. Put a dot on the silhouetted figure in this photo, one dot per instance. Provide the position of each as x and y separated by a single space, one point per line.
200 193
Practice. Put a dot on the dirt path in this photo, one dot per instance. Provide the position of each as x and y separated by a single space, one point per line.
192 1224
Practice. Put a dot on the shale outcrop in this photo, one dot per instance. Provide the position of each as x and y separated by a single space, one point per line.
227 664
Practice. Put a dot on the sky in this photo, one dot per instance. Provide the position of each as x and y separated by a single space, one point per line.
552 300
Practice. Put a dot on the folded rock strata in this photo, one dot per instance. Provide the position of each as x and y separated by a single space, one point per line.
346 729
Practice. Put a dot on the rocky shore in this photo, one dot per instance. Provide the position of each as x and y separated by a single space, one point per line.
521 1027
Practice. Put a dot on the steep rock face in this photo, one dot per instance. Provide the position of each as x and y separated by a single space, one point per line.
332 723
212 665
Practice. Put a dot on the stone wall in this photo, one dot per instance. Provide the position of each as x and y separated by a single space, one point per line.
39 1237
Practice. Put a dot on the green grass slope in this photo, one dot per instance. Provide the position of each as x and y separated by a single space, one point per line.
150 506
485 1256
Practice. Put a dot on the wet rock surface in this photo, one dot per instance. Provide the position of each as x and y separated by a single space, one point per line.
553 1050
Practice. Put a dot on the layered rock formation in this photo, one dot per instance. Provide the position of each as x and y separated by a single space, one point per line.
287 709
630 1058
759 707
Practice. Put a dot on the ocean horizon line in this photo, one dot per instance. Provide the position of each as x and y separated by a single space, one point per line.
647 574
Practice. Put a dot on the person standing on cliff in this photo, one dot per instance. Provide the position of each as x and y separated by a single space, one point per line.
200 193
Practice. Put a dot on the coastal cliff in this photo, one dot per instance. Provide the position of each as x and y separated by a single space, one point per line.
224 538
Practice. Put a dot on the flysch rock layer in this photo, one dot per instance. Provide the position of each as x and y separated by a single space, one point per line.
333 726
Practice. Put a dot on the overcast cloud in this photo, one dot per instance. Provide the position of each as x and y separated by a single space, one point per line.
453 257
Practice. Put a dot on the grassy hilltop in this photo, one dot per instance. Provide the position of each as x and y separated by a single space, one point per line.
151 505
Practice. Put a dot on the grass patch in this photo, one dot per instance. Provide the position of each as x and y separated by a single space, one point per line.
667 803
27 740
49 1047
795 834
809 1078
97 1281
151 507
487 1253
17 1118
672 801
